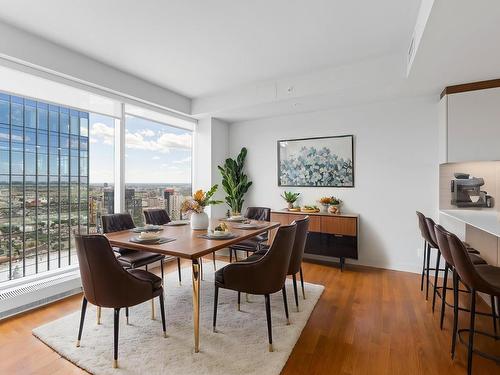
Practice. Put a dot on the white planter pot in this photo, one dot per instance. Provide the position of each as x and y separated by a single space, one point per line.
199 221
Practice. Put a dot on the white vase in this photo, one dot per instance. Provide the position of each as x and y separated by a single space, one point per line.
199 221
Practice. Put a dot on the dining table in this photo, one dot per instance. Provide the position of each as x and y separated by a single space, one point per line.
187 243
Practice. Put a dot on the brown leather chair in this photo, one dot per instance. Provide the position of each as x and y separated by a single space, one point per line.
252 244
264 276
159 216
482 278
107 284
129 258
296 258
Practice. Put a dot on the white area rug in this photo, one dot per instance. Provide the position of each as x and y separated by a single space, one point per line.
239 347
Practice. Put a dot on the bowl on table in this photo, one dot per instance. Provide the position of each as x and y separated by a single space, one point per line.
149 235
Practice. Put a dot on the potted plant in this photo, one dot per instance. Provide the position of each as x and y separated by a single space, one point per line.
196 207
234 182
290 197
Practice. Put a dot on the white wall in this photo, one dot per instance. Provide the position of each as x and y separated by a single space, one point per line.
212 139
396 171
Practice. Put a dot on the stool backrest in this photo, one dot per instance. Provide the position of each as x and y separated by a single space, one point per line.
463 264
443 244
424 230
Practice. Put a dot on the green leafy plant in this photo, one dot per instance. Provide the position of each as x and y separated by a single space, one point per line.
234 181
290 197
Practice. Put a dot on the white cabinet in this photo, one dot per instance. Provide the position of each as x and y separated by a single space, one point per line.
469 128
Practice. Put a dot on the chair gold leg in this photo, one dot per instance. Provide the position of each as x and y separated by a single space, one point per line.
152 310
98 314
77 343
196 305
271 349
115 363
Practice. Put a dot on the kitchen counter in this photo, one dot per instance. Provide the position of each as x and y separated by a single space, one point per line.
485 220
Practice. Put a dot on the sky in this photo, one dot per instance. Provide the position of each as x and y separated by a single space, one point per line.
154 153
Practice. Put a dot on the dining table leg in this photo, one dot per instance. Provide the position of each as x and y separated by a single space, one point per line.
196 304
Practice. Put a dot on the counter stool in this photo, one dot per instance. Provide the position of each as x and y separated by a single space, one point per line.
484 279
429 244
442 240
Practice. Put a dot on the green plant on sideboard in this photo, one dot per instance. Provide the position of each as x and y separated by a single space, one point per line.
290 198
234 182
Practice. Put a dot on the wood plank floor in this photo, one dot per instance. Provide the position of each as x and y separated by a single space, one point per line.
368 321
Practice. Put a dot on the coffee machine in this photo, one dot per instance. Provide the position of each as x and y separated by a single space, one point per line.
466 192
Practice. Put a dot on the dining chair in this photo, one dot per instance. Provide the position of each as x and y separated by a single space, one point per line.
295 265
263 276
107 284
252 244
129 258
159 216
479 279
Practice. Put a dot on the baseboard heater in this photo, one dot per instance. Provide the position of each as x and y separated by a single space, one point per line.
23 295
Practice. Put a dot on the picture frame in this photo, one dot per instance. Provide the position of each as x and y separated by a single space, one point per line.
316 162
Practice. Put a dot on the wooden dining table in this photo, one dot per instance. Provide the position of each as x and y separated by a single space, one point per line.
188 244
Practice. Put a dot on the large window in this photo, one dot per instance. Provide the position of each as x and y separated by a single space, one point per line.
101 189
157 167
44 179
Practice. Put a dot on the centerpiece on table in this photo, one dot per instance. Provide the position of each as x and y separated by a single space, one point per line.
290 198
196 207
331 204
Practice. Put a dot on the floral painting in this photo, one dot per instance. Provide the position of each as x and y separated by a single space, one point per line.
324 161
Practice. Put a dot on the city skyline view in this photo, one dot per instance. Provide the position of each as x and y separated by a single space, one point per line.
154 152
57 178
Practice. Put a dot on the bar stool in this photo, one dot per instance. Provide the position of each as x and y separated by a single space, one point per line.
442 240
476 260
484 279
429 244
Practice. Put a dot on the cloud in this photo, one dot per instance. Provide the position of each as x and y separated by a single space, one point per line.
103 132
155 158
163 144
146 132
186 160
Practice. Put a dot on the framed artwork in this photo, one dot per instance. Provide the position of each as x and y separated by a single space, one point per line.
321 161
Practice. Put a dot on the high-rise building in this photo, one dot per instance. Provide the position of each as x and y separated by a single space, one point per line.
44 166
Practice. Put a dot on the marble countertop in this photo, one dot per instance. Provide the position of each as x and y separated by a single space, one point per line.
485 220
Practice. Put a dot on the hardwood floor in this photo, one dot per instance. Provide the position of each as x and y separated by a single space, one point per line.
368 321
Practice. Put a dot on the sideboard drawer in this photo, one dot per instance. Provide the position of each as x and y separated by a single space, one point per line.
314 221
339 225
283 219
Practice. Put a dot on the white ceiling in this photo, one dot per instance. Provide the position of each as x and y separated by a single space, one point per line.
201 47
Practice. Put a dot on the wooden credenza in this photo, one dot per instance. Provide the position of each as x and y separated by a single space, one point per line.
330 236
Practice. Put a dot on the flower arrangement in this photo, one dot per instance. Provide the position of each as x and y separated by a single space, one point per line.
199 201
330 201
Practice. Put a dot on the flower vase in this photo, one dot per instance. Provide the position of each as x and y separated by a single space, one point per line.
199 221
334 209
324 208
